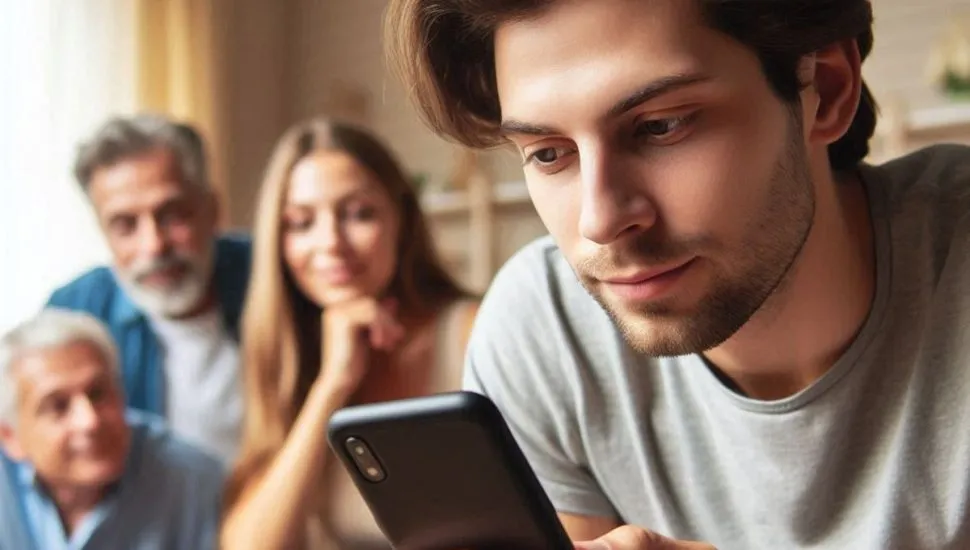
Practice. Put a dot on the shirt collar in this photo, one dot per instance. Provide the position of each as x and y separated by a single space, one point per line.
26 475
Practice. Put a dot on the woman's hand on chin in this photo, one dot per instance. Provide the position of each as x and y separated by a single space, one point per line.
351 330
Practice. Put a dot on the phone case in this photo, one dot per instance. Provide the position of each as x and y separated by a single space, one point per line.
443 472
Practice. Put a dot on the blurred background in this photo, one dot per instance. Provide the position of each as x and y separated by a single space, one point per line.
244 70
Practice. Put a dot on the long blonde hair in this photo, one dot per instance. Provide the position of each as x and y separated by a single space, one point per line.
281 339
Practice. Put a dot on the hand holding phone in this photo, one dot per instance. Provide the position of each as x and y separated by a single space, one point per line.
443 472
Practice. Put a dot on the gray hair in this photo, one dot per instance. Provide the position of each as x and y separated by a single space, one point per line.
121 138
51 328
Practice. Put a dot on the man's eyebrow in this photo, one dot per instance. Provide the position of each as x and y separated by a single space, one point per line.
655 89
525 128
652 90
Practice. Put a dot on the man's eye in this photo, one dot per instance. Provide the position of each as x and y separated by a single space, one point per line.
122 225
662 127
56 407
547 156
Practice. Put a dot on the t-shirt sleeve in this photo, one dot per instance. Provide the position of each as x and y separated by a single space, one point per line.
519 357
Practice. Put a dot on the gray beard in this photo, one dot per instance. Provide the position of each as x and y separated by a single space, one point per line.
178 300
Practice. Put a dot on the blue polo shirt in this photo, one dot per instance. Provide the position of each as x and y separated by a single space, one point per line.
168 497
142 363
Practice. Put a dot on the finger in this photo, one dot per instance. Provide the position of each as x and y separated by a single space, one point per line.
395 329
391 330
378 336
629 537
389 309
390 305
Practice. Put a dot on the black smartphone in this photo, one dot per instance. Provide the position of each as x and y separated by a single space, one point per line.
443 472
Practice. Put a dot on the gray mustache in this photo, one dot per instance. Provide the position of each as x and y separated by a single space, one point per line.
161 264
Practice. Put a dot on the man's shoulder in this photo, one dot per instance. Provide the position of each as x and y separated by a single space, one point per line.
537 322
535 285
928 202
13 522
236 241
938 176
536 270
234 258
91 291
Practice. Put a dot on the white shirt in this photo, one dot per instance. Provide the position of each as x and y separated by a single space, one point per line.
204 398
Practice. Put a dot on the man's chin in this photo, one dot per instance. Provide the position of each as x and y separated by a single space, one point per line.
659 329
654 336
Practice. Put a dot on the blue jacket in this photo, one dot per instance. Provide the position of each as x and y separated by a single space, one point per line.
98 293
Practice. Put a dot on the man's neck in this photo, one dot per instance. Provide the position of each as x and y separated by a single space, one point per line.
74 504
206 305
813 317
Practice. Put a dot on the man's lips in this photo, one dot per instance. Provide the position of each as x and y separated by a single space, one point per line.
164 276
648 284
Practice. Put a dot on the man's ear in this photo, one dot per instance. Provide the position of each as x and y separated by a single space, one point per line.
10 442
832 85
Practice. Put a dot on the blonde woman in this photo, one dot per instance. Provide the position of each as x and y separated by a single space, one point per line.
348 303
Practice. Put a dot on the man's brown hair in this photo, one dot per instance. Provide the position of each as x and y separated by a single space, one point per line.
443 50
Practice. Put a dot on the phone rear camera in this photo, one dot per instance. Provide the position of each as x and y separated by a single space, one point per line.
367 464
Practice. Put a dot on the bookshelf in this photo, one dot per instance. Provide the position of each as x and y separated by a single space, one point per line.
902 130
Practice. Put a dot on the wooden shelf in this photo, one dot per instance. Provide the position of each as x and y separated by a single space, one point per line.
938 118
902 130
459 201
924 121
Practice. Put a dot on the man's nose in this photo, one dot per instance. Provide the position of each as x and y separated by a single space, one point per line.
84 414
615 199
152 240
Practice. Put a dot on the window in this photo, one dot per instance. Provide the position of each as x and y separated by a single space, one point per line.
64 67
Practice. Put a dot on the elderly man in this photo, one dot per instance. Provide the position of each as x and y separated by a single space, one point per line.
173 297
76 471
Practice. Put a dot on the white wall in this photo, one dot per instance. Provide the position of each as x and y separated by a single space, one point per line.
905 33
338 44
257 80
78 70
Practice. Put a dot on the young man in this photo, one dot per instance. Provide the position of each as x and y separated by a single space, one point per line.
738 332
75 470
173 296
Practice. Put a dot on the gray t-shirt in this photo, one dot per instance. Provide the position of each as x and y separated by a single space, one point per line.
874 455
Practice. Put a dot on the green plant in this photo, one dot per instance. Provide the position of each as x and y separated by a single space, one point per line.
955 85
419 181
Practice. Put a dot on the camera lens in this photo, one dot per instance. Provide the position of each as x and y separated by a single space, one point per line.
367 464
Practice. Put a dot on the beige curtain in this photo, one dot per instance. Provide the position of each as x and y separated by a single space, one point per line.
180 72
